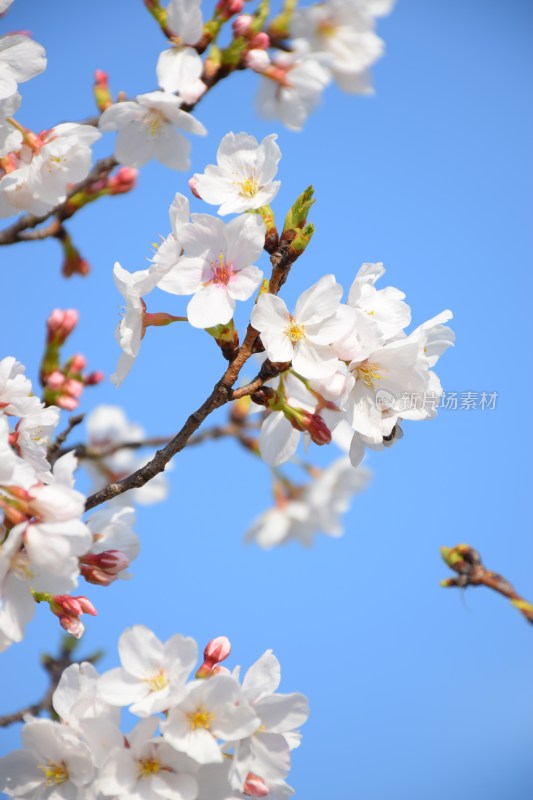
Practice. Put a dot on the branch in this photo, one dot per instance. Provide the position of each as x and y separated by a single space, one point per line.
466 561
54 450
282 260
54 666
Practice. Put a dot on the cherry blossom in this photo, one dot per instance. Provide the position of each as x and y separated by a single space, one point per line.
217 266
20 60
291 89
212 709
153 675
243 179
147 129
304 337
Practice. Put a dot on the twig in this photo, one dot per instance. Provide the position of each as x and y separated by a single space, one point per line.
54 666
54 449
466 561
282 260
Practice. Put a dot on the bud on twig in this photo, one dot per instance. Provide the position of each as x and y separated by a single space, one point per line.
216 650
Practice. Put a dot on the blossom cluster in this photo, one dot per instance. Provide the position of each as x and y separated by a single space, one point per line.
341 369
334 40
213 737
46 543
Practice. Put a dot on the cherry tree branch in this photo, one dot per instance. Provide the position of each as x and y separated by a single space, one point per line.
282 259
54 666
54 451
466 562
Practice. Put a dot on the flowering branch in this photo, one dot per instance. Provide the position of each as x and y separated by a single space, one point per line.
54 451
466 561
54 666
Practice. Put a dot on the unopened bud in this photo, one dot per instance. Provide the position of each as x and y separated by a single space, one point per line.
103 568
122 181
72 388
77 363
258 60
318 430
55 380
261 41
241 24
60 325
228 8
93 378
254 786
102 95
264 395
67 403
216 650
193 183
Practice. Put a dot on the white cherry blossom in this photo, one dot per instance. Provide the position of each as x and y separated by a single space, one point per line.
212 709
185 20
304 337
53 756
152 677
179 70
147 129
10 137
146 769
294 91
243 178
20 59
217 266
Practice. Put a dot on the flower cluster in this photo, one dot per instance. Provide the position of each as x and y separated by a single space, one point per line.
220 737
341 369
46 544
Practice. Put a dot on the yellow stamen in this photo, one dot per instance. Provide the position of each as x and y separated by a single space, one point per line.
294 331
327 28
201 718
249 187
158 682
54 773
148 767
368 373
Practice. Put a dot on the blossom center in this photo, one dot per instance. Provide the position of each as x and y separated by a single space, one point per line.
54 773
368 373
153 120
201 718
249 187
222 271
148 767
327 28
158 682
294 331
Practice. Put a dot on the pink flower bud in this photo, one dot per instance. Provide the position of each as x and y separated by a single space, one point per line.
77 363
257 60
254 786
241 24
110 561
261 41
227 8
55 380
72 625
67 403
123 181
216 650
93 378
69 610
101 78
193 183
73 388
60 325
318 430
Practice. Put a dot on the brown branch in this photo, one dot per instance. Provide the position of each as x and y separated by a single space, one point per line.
54 450
466 561
54 666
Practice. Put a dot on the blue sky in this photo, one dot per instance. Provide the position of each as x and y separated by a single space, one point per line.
416 692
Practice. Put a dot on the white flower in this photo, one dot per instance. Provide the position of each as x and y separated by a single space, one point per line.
304 337
295 92
10 137
217 266
212 709
42 180
317 508
113 535
146 769
130 330
20 59
108 426
343 31
267 752
179 70
54 756
153 675
169 252
184 19
76 697
243 179
32 436
147 129
17 605
15 389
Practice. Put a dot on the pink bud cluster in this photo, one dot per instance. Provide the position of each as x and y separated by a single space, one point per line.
69 610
